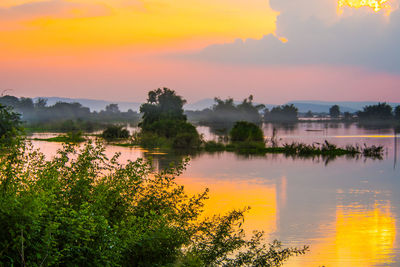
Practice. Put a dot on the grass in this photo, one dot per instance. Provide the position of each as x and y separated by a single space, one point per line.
71 137
248 148
295 149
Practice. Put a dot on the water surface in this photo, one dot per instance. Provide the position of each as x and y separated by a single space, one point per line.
346 209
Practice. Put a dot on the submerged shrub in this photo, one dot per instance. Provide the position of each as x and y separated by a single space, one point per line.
115 132
244 131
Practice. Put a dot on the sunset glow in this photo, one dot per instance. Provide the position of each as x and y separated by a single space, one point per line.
74 48
72 25
375 5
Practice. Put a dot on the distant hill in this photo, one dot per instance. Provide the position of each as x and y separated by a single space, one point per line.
94 105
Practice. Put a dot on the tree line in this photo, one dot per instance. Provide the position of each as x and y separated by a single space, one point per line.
224 113
63 116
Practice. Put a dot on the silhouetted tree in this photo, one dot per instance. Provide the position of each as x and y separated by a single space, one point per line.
40 103
378 113
334 111
112 109
347 116
309 114
226 112
284 113
397 113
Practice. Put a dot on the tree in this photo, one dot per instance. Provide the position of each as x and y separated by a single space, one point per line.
334 111
376 113
163 116
112 109
284 113
113 132
309 114
397 113
162 104
347 116
10 126
40 103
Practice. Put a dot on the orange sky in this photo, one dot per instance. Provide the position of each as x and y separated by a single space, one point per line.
34 27
116 50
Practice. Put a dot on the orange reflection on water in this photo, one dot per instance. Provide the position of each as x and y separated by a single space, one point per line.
365 235
227 195
360 236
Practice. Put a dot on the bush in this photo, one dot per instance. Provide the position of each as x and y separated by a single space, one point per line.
113 132
179 134
244 131
212 146
10 126
82 209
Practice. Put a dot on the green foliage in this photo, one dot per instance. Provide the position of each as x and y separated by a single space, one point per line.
163 120
284 113
212 146
334 111
70 137
10 126
83 209
244 131
162 105
247 148
113 132
187 138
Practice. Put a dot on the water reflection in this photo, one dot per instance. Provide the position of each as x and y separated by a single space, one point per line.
226 195
361 234
347 210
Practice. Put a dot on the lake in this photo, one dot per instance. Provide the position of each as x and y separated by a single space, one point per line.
346 209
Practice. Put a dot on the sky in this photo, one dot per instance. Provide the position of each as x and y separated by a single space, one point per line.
277 50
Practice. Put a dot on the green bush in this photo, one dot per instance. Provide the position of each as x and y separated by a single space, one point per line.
113 132
244 131
212 146
83 209
10 126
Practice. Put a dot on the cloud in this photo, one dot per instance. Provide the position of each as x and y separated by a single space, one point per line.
317 35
